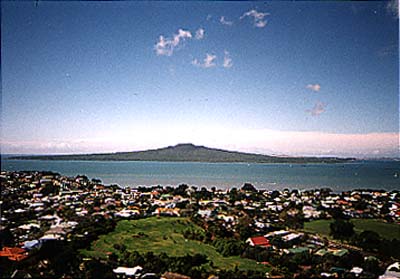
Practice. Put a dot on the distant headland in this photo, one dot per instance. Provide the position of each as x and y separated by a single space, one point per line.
187 152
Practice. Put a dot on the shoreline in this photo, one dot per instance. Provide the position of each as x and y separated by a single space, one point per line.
338 177
221 188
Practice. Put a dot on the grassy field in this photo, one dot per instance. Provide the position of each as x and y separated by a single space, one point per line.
164 235
385 230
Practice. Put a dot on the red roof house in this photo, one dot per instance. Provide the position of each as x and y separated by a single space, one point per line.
258 241
14 253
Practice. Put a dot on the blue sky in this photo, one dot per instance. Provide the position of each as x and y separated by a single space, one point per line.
301 78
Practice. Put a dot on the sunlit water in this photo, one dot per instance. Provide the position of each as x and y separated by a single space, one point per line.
339 177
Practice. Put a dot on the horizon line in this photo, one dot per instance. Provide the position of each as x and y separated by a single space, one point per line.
361 157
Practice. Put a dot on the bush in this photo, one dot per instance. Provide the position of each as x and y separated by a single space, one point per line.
342 229
228 247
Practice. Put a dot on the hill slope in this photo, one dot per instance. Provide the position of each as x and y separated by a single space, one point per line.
186 153
164 235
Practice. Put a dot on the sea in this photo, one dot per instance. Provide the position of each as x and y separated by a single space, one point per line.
366 174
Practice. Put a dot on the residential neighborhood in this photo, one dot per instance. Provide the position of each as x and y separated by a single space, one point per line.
41 211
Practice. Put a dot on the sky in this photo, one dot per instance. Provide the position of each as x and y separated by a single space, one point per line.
284 78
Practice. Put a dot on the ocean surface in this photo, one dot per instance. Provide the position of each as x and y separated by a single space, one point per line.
339 177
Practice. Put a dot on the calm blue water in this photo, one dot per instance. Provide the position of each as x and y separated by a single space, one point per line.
339 177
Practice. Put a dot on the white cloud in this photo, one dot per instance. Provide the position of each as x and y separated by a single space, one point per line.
227 60
199 34
196 62
258 18
392 7
314 87
208 62
166 46
260 24
225 22
318 108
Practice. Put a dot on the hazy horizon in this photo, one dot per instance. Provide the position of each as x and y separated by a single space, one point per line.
211 147
274 78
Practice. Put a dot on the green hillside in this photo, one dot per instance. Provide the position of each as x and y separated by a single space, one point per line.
385 230
164 234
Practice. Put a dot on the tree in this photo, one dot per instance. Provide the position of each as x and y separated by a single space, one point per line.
181 190
228 247
198 259
243 227
390 248
136 259
247 187
351 259
342 229
369 240
48 189
336 213
233 196
217 230
96 180
97 269
275 194
295 221
6 238
371 264
385 209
